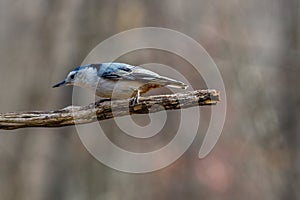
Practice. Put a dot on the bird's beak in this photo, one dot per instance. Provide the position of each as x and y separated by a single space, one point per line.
59 84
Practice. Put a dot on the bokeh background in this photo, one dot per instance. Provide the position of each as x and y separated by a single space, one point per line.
256 47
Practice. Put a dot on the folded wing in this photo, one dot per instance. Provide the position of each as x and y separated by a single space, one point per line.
121 71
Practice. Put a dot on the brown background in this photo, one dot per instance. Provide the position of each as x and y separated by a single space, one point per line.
254 43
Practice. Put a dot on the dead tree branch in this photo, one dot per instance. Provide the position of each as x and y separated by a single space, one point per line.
103 110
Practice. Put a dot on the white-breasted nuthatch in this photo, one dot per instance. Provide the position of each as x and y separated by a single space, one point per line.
117 80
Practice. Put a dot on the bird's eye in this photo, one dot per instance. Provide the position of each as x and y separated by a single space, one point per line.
72 76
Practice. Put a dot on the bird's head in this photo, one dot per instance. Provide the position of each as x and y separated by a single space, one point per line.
82 76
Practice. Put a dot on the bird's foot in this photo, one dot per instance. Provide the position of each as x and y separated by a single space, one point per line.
134 101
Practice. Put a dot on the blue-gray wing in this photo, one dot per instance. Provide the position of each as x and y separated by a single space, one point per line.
121 71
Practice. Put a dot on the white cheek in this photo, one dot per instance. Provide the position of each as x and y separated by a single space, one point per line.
87 78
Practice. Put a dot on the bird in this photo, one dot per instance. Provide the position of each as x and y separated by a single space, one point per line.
117 80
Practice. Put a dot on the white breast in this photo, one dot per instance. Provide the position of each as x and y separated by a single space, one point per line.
117 89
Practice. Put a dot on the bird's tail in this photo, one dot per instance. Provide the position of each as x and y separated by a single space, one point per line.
172 83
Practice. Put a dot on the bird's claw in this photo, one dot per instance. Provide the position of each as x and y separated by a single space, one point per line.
134 101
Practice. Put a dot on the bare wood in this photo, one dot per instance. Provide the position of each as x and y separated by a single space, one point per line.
103 110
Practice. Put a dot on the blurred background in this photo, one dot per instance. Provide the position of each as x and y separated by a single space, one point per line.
256 47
